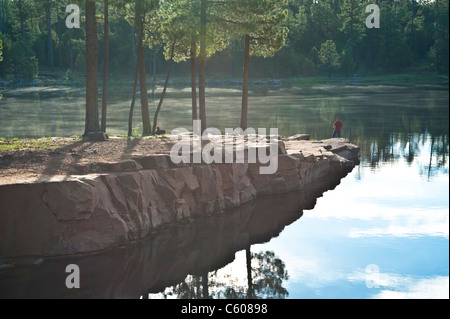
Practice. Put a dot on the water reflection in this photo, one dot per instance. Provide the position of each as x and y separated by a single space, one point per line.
394 215
197 248
265 274
392 210
412 148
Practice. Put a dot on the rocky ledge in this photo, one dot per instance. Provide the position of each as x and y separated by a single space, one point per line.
103 205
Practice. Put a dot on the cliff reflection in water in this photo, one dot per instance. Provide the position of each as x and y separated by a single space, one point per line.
191 248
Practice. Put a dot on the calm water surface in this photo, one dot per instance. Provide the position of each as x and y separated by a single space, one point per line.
382 233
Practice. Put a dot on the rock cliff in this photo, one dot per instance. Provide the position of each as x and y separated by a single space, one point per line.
103 205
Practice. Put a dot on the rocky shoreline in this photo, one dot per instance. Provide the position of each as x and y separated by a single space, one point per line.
101 205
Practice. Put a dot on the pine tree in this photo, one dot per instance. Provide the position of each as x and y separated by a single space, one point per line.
260 23
329 57
352 23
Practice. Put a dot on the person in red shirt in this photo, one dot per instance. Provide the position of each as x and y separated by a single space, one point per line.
337 128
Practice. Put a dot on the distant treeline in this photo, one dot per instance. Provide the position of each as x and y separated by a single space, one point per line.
324 37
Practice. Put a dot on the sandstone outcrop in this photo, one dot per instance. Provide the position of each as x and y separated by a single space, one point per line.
103 205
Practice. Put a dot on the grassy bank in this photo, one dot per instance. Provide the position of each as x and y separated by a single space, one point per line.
45 143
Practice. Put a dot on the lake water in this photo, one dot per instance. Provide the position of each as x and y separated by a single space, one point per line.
383 232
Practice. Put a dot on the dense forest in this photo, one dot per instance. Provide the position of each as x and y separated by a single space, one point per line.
314 37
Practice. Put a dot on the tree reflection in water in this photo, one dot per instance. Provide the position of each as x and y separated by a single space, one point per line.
265 276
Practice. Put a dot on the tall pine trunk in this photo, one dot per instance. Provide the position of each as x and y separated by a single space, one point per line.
155 119
140 17
70 47
92 125
245 83
59 39
202 66
133 42
155 50
22 26
105 66
369 58
70 50
49 36
133 101
193 79
411 36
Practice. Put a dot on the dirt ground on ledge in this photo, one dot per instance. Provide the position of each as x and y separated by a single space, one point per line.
55 156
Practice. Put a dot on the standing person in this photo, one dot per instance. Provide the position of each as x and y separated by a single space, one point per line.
337 128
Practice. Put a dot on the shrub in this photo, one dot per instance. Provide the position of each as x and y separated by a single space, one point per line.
23 61
69 75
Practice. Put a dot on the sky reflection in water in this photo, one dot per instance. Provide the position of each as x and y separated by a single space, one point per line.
382 233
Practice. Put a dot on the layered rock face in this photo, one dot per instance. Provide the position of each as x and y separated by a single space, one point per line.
109 204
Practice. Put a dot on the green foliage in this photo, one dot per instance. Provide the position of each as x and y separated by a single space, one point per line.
347 62
352 19
69 75
438 53
294 63
329 57
6 65
23 60
135 132
1 58
177 21
79 53
412 34
261 20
